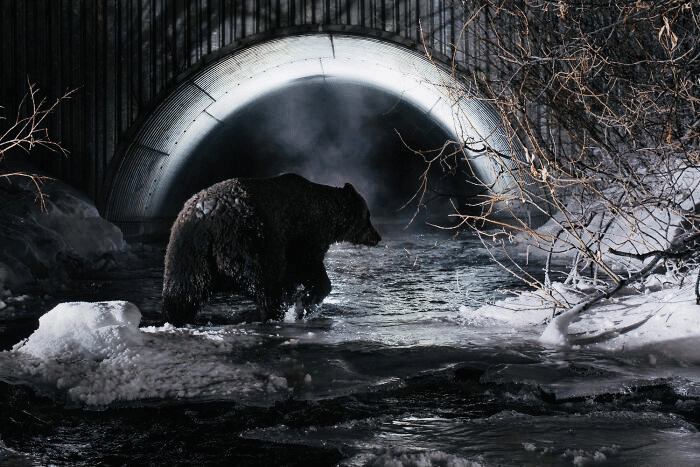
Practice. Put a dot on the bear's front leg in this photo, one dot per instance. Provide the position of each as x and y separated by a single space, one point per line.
317 285
269 306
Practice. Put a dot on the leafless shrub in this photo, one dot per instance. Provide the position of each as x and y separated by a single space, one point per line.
603 98
29 131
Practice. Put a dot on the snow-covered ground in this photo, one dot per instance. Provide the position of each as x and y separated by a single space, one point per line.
660 313
97 354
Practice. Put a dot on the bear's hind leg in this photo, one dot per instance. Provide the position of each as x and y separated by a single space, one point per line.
187 284
179 310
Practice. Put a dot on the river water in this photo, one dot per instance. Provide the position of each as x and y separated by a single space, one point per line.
395 368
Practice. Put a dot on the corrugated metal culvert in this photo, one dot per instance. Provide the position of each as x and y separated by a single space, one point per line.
156 78
172 133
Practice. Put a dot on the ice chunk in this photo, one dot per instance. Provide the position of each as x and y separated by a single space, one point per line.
95 354
84 331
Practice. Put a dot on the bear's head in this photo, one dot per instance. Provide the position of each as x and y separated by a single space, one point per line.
361 231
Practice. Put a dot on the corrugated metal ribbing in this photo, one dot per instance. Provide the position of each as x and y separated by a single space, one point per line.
139 170
187 104
125 55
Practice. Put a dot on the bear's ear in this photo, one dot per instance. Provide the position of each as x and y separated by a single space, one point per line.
350 188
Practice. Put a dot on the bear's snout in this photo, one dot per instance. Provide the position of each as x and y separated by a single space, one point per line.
371 237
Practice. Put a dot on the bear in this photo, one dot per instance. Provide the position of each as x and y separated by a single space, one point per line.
265 238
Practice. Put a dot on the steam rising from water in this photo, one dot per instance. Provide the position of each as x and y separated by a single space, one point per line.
333 137
331 132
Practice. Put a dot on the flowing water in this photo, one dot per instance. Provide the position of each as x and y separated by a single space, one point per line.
389 371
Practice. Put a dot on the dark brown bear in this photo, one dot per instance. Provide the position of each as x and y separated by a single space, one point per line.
265 238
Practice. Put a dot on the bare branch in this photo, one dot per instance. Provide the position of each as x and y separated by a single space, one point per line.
29 131
603 99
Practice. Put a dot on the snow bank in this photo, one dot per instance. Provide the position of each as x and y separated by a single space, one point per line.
659 310
659 313
647 228
95 354
40 240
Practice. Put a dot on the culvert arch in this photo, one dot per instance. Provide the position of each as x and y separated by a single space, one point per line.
170 156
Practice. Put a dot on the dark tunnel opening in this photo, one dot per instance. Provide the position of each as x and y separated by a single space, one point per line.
333 132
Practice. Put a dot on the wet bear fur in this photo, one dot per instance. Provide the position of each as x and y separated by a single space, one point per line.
265 238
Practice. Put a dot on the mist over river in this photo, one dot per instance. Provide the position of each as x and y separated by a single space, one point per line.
397 367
